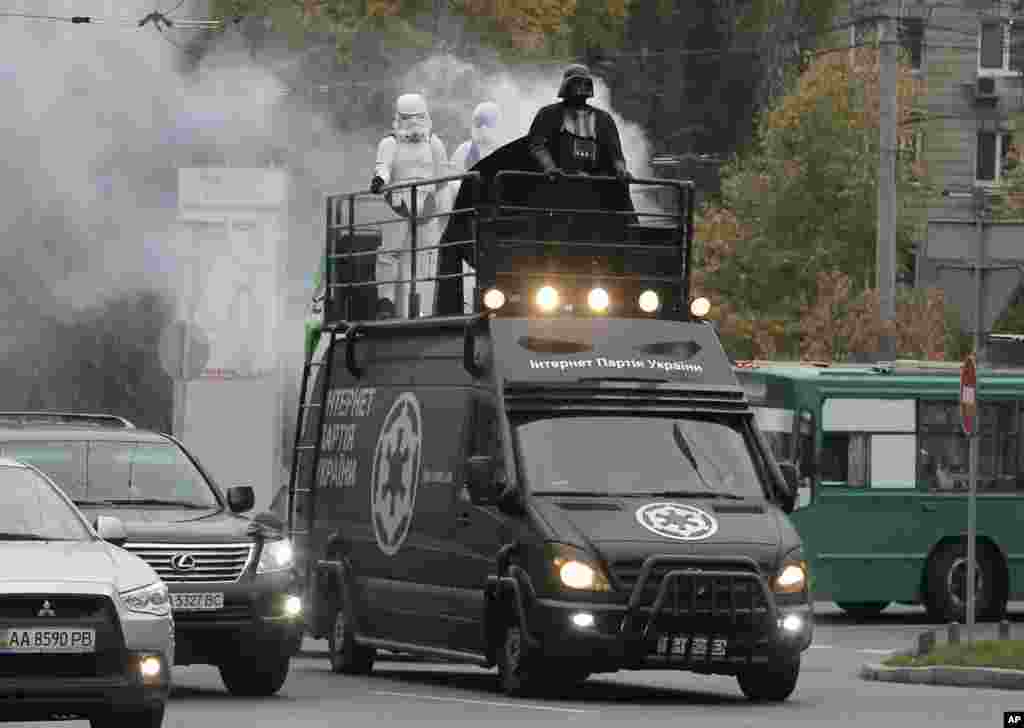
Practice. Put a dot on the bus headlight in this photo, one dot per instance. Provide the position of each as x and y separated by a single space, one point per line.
494 299
700 307
598 300
547 299
648 302
792 579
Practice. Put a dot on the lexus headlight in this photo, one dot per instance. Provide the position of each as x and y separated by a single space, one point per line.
152 599
276 556
575 571
792 579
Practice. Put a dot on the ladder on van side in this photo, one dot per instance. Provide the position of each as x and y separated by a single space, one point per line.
307 448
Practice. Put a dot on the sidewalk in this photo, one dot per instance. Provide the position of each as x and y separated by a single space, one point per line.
948 675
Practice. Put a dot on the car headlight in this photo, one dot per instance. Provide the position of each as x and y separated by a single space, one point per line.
276 556
574 570
152 599
792 577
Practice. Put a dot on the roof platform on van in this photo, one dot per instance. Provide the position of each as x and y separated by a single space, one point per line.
511 243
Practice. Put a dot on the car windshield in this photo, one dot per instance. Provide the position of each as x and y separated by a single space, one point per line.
126 472
32 510
638 456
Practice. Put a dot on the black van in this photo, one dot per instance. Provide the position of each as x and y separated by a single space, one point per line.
233 583
552 493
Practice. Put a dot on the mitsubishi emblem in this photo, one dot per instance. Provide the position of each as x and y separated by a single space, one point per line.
183 562
46 610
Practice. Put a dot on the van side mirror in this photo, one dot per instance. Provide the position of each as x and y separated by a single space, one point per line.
241 498
792 477
111 530
483 491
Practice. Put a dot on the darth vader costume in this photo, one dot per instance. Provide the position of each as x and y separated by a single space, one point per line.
570 137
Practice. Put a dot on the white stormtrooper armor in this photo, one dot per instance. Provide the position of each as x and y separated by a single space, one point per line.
485 137
412 152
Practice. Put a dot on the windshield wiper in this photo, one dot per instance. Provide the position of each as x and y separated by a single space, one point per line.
87 502
24 537
691 494
584 493
684 447
154 502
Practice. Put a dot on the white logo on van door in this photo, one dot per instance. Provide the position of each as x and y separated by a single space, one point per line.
672 520
396 473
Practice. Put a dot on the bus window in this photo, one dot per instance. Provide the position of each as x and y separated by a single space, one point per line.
845 457
943 453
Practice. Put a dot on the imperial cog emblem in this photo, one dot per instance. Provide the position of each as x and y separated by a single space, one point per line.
680 522
396 473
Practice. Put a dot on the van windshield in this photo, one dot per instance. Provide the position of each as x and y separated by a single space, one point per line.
638 456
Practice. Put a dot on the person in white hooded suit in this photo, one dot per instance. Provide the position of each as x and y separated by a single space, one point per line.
412 152
484 138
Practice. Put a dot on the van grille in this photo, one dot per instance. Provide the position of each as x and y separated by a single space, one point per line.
210 563
714 595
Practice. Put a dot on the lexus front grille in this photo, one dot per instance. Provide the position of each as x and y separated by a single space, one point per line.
195 563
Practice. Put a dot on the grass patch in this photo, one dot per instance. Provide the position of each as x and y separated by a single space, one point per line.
1007 654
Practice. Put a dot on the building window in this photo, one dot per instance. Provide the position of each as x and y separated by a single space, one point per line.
1000 47
992 162
912 40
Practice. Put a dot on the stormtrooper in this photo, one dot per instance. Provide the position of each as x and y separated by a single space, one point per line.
484 137
411 152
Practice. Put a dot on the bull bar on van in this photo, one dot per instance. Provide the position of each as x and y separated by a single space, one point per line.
629 635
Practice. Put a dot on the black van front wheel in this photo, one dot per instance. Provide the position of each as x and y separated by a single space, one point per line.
347 656
518 669
772 682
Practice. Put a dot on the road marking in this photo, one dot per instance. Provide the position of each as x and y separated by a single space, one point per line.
525 706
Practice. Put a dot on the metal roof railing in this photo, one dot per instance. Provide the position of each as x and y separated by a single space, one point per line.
75 419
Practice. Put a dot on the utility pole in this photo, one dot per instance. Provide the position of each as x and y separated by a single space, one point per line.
887 124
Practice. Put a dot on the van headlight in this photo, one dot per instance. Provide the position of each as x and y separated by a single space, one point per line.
152 599
276 556
573 569
792 577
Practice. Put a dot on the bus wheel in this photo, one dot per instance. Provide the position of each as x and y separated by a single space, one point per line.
347 657
862 610
946 598
771 683
518 669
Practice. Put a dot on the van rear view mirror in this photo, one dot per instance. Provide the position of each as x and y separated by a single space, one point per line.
792 477
480 480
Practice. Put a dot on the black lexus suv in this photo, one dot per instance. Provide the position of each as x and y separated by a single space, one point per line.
232 579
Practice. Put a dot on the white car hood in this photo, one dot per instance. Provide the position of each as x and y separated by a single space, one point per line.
70 567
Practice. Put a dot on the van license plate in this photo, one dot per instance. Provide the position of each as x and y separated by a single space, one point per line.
676 646
47 640
202 602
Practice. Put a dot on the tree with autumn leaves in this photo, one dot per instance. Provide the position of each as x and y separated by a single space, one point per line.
788 252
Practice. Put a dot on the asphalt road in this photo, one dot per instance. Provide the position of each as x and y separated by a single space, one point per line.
829 692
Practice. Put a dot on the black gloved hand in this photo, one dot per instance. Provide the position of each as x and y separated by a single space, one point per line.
554 174
622 174
376 185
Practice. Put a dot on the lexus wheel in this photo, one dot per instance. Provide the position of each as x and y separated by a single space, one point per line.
256 677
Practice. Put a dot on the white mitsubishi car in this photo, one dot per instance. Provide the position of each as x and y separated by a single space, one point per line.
85 627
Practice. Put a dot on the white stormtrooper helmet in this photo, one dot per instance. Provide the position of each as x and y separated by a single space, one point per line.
412 120
485 124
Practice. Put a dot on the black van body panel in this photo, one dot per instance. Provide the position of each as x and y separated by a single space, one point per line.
431 571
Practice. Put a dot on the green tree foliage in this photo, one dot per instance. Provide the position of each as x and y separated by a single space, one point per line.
804 201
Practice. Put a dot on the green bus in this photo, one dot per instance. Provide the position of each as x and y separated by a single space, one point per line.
882 464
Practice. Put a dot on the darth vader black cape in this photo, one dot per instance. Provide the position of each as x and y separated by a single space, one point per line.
515 191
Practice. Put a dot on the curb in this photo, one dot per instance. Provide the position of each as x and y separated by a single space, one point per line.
949 675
